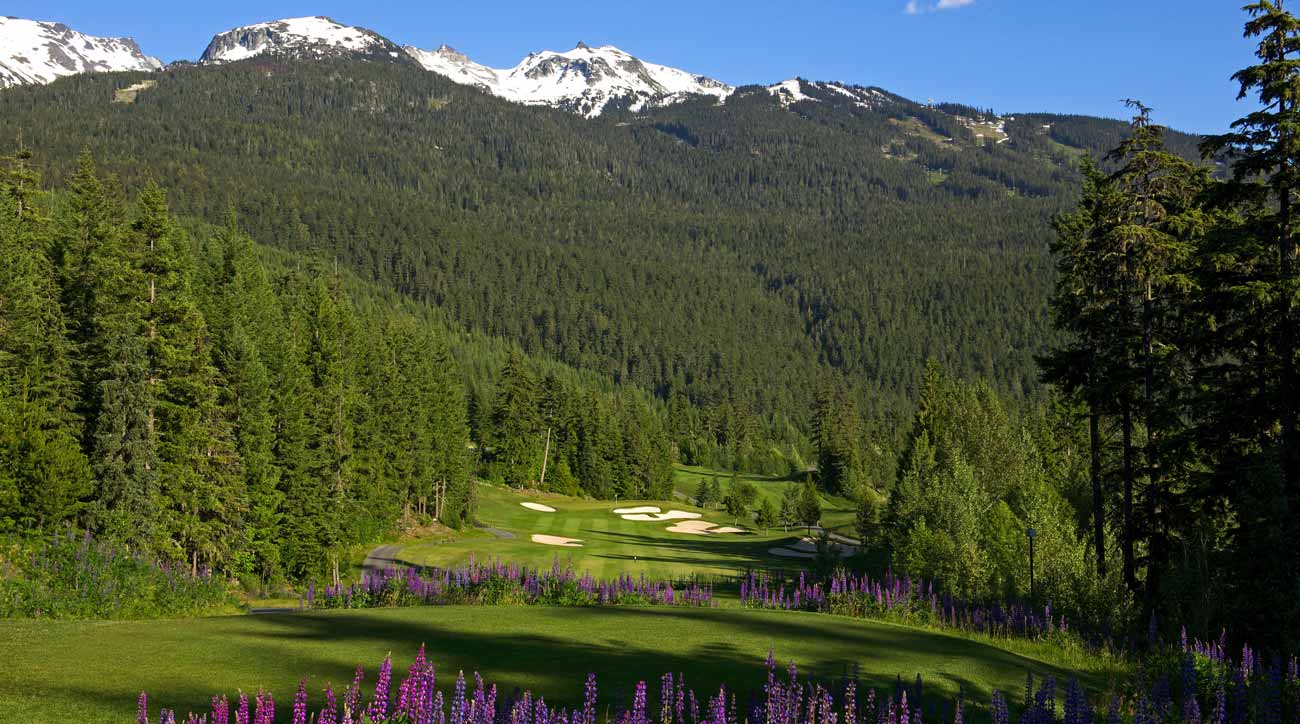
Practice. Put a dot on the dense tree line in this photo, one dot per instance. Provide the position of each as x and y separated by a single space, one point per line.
1178 292
553 434
976 474
175 392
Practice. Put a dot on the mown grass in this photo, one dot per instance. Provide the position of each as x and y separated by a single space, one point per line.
91 672
611 545
837 513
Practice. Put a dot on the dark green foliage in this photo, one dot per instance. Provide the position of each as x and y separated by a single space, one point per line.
809 505
1178 293
177 391
768 515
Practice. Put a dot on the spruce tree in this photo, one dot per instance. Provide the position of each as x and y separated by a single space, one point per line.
516 425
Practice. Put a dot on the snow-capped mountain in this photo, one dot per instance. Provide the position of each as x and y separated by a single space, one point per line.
40 52
584 80
312 37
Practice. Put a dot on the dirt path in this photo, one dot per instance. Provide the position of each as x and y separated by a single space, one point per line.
382 558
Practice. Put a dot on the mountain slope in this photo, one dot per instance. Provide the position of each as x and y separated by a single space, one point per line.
584 80
728 254
307 37
33 52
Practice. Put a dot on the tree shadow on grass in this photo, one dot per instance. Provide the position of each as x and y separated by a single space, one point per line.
738 553
551 658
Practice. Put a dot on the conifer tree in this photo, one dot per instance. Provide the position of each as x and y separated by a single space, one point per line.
40 449
516 426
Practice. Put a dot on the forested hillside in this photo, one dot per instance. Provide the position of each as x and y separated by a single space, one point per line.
709 254
181 389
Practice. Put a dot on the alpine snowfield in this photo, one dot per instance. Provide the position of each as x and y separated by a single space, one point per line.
41 52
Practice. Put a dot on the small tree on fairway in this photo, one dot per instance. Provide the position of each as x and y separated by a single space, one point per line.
715 491
810 506
789 507
704 493
768 515
735 505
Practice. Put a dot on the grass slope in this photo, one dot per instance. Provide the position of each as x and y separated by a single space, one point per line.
91 672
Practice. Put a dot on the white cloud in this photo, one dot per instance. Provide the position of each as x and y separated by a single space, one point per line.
917 7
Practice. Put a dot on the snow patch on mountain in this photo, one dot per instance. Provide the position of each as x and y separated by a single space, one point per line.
455 65
789 92
40 52
309 37
857 95
585 80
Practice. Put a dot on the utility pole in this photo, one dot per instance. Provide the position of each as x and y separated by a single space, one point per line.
545 454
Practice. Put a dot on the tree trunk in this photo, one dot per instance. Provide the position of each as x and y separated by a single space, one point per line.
1130 568
1155 486
545 454
1098 503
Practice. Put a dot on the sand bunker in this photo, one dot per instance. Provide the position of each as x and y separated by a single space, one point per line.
634 511
538 507
670 515
701 527
694 527
556 540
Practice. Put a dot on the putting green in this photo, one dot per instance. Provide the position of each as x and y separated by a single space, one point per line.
91 672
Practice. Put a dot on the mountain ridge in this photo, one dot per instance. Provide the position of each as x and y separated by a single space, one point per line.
39 52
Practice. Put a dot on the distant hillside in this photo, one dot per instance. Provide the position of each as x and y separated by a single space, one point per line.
726 253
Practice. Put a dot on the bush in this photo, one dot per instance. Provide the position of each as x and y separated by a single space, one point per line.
73 576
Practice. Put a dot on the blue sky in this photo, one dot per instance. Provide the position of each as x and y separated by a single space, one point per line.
1072 56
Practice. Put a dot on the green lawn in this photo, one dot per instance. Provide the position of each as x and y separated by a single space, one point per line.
837 513
611 545
89 672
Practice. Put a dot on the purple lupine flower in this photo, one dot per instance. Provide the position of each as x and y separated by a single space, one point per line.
241 712
352 698
220 710
329 714
1191 711
378 710
589 700
998 709
300 703
265 713
638 704
718 707
141 707
666 698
